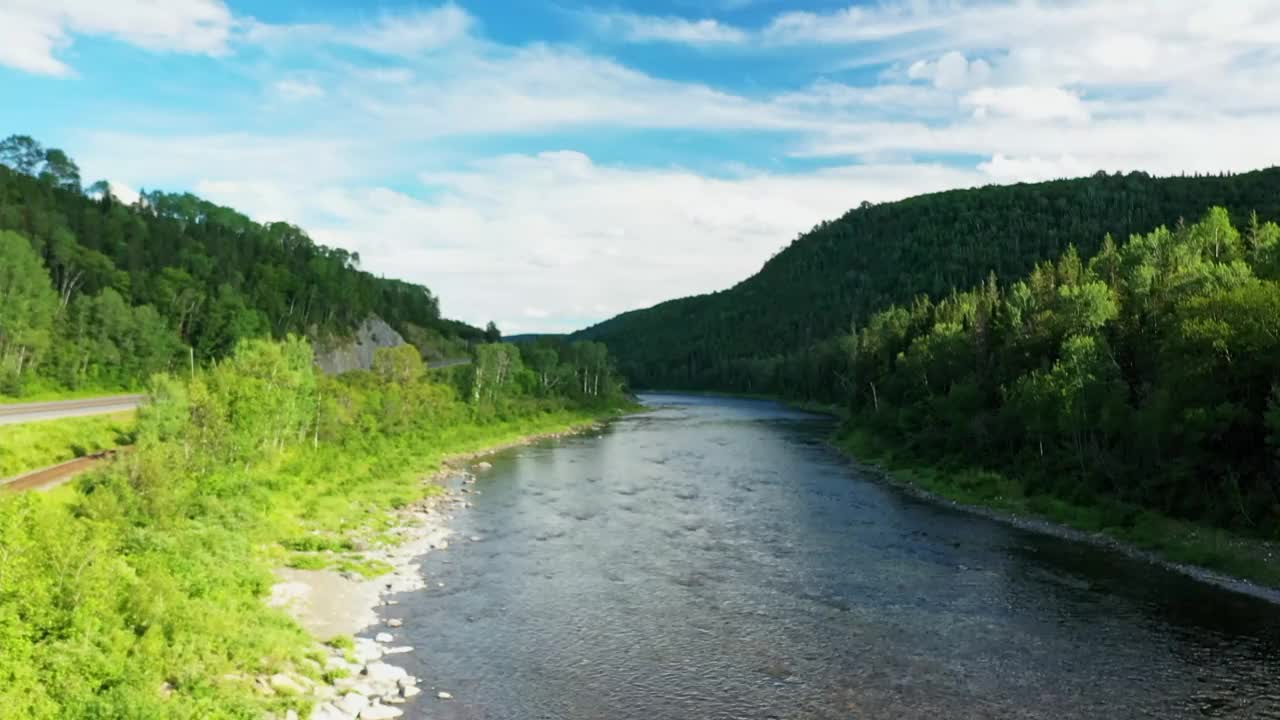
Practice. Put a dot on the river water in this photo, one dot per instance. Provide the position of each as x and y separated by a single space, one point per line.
714 559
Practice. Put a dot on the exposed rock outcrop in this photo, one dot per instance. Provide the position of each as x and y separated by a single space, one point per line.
357 354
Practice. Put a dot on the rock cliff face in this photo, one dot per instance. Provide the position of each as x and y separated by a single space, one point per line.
357 354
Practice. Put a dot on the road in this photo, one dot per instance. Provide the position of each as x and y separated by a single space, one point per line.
31 412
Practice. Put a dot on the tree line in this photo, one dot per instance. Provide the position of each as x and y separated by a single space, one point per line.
98 293
142 593
876 255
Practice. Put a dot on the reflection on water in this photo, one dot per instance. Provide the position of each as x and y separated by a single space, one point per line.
713 559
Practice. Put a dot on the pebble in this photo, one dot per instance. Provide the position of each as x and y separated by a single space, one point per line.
395 622
444 695
384 637
410 691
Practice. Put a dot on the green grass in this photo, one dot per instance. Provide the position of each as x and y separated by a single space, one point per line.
38 394
31 446
1174 540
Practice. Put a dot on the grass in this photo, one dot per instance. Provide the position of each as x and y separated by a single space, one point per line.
31 446
55 394
1169 538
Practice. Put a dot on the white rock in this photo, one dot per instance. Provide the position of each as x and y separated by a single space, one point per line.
328 712
395 622
407 680
410 691
351 703
483 466
384 637
380 672
444 695
367 650
475 538
286 685
398 650
380 712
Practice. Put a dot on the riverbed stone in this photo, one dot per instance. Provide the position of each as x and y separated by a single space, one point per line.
380 673
484 466
367 650
444 695
384 637
398 650
410 691
351 703
328 711
380 712
395 622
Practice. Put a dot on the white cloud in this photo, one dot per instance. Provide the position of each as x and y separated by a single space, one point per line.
647 28
1029 103
852 24
32 31
297 90
413 34
123 192
952 71
1034 168
553 240
548 242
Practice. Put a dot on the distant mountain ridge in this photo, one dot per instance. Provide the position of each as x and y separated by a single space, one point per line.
843 270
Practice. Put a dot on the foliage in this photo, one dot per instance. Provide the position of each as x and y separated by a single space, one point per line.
30 446
97 293
142 595
1148 376
773 332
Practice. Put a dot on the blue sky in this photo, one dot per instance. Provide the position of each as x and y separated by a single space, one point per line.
549 164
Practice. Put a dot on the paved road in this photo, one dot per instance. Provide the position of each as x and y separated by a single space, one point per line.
30 412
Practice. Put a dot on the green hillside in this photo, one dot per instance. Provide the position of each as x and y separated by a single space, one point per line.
842 271
97 293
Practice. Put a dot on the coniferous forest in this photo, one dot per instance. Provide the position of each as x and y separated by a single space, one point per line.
1111 339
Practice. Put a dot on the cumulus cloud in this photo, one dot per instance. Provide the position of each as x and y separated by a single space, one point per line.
552 241
33 31
1030 103
383 161
952 71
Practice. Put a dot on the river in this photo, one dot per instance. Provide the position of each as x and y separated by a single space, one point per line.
713 558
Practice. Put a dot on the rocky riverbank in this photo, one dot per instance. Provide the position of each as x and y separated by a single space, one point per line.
363 681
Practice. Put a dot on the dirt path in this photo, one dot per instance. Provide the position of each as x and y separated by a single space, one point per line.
49 478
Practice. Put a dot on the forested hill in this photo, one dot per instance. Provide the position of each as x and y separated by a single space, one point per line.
842 271
97 292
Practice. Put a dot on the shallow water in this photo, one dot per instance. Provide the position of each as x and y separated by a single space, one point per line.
713 559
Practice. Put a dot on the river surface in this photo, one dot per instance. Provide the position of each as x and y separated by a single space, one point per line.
714 559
